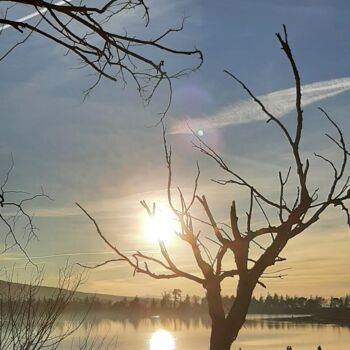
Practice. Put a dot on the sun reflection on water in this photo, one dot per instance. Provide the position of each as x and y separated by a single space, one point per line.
162 340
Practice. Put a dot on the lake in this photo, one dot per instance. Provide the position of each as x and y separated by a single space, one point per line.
259 333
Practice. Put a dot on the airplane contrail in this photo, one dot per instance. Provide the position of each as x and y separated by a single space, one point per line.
62 255
34 14
279 103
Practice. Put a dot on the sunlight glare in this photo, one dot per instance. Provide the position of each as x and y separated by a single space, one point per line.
161 226
162 340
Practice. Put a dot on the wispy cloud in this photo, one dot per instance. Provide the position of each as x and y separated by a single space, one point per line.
278 103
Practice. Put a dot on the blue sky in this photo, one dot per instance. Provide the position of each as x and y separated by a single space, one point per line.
100 153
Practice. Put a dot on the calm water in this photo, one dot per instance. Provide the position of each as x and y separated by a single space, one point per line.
258 334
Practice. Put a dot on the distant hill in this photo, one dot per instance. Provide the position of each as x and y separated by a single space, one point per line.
47 292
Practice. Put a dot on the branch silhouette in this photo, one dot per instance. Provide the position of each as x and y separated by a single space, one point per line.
85 31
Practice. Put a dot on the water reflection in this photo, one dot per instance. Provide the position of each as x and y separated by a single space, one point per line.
261 332
162 340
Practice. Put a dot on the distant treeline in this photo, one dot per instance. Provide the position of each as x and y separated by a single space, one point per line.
173 303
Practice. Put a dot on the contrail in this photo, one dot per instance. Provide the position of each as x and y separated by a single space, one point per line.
34 14
279 103
77 254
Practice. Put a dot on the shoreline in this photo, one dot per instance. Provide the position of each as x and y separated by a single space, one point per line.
315 319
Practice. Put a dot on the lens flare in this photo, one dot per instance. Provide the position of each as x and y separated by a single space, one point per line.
200 132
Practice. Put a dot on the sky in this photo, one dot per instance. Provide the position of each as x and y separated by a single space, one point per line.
102 154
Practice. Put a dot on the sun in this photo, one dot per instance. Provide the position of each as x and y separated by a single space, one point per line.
162 340
161 226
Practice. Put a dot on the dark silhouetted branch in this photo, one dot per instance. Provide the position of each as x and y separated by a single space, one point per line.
85 32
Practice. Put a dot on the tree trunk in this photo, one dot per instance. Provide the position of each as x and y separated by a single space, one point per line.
219 337
238 312
224 330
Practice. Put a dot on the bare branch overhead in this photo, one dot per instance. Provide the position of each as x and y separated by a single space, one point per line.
85 30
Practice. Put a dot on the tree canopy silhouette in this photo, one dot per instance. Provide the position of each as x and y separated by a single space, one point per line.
285 219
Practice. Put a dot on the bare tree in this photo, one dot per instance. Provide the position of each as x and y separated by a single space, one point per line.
285 219
32 320
84 29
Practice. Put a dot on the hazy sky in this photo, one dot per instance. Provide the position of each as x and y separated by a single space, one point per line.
101 154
